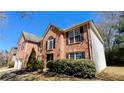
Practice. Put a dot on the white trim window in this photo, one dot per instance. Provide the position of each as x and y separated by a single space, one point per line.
74 36
50 43
76 55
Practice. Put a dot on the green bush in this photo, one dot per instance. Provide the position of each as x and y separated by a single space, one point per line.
39 65
33 63
10 64
78 68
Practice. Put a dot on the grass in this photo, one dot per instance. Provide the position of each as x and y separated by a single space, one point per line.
35 76
112 73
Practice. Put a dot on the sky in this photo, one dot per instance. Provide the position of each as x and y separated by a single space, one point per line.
36 23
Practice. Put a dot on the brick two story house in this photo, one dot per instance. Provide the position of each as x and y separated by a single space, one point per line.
79 41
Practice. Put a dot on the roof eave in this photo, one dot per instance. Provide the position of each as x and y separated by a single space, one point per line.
75 26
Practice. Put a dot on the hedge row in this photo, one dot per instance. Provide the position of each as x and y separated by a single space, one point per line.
78 68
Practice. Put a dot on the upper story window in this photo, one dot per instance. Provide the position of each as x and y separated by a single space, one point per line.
74 36
76 55
50 43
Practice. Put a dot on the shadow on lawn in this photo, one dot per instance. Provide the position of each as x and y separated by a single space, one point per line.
25 75
12 75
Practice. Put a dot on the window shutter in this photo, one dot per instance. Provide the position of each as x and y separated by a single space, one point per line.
46 45
81 31
67 38
67 56
83 55
54 43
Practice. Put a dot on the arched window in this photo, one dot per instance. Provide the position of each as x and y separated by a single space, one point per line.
50 43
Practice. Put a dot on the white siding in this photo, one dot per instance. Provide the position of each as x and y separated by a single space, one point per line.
98 54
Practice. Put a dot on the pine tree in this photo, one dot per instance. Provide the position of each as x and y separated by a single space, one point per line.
32 60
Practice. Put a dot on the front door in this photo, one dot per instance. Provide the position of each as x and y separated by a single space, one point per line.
49 57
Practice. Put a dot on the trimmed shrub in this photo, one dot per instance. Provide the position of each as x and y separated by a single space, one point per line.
10 64
39 65
78 68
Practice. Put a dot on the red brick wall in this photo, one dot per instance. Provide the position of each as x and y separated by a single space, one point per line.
82 46
52 31
62 47
23 54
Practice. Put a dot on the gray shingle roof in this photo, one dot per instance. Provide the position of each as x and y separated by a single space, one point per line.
31 37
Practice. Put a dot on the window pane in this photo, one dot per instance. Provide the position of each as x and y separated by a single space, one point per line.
77 32
77 38
50 44
71 34
78 55
71 40
71 55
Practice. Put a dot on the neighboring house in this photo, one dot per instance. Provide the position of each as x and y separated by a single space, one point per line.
12 54
3 58
76 42
26 43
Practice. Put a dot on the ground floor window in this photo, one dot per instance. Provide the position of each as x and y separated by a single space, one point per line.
76 55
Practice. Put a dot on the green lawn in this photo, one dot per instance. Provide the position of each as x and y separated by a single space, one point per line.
112 73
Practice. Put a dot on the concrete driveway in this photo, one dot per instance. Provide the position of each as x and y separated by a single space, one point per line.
6 70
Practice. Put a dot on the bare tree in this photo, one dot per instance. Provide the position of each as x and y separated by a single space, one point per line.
2 59
107 22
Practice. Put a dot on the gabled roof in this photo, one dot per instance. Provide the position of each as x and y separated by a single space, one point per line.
33 38
30 37
48 27
90 22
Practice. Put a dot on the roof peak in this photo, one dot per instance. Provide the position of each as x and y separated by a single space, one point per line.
31 37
